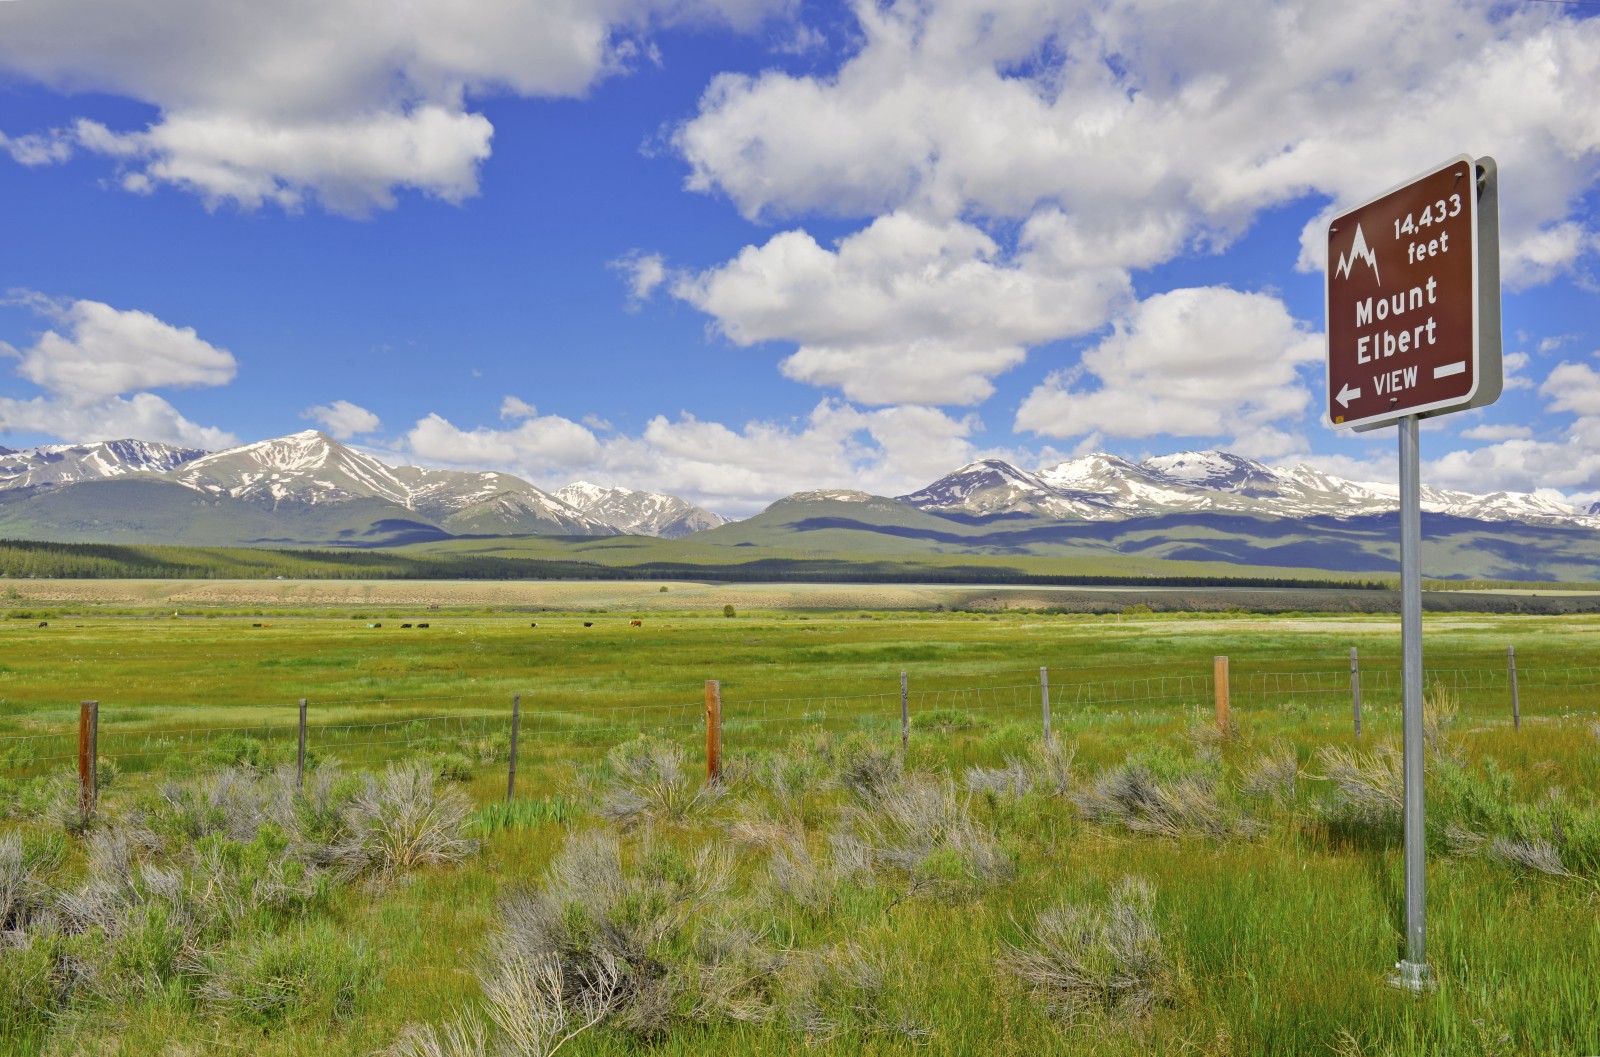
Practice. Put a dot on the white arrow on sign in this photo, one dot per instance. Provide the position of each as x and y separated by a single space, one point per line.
1347 394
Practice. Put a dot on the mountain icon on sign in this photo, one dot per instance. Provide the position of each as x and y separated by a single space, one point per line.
1359 250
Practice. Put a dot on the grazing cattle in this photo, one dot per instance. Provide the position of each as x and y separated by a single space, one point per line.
405 625
586 623
422 625
635 623
46 623
374 625
255 625
533 625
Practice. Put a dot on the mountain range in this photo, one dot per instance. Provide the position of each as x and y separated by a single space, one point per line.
309 490
1105 488
303 489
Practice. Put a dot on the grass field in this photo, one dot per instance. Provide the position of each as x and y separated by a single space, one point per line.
838 896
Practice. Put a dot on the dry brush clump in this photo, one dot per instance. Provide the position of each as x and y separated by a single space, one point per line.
1047 770
1133 797
924 830
209 892
650 784
400 822
1368 787
603 925
1012 780
1274 775
1555 836
1440 708
1086 961
25 895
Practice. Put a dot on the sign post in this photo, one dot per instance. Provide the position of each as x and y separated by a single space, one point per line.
1413 302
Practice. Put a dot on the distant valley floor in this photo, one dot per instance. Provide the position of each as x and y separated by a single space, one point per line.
638 597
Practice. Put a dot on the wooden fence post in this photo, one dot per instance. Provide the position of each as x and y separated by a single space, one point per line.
1220 687
1516 705
300 752
1044 698
713 730
1355 687
905 714
88 757
516 723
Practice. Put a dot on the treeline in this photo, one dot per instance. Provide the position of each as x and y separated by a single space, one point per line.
23 559
822 570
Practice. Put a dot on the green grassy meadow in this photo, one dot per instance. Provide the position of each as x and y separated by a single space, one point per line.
1276 904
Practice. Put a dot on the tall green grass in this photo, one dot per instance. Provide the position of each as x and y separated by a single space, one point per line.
870 897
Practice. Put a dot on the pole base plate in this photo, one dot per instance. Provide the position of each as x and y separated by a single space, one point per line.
1415 977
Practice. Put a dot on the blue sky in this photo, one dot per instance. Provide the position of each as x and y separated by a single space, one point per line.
733 248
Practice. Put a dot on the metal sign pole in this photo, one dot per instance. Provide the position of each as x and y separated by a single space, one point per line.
1413 313
1413 973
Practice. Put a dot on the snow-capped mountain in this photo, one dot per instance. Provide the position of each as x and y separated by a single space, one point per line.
638 513
992 486
1102 487
305 467
311 468
57 464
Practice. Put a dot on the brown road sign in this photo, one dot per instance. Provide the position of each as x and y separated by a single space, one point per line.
1414 299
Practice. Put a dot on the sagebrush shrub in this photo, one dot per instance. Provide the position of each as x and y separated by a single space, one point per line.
1273 775
399 822
1132 797
649 783
606 931
1084 960
1368 787
923 829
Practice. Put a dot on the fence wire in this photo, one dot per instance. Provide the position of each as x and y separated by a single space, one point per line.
942 699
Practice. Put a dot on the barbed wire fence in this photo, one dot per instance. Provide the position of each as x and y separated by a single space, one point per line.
932 700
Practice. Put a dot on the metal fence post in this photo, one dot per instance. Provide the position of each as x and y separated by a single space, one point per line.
88 755
905 714
1516 704
1355 687
1044 698
1220 687
511 768
300 752
713 730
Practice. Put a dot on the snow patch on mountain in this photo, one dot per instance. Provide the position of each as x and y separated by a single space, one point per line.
1105 487
832 495
638 513
59 464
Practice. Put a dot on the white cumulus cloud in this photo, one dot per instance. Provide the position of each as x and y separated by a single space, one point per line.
643 272
341 101
733 469
1573 387
142 416
1206 361
342 419
536 442
905 311
93 366
103 351
1188 118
